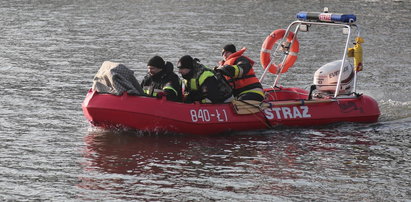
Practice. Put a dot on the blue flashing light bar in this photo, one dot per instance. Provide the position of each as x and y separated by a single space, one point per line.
326 17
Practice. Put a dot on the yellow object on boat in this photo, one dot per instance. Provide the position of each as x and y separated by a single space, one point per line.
356 52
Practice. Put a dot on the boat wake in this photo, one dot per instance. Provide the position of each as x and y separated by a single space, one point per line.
392 110
122 130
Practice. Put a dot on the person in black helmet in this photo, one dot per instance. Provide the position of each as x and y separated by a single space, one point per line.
239 72
161 80
201 83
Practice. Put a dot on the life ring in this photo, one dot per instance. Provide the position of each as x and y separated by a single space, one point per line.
265 54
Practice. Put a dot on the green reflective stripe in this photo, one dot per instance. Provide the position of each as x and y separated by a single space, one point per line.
154 93
146 90
204 76
236 71
193 84
253 91
205 101
170 88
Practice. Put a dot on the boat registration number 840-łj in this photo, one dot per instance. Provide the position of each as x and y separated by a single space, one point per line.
220 115
205 115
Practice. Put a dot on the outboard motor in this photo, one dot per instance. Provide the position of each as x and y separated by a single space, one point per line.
326 77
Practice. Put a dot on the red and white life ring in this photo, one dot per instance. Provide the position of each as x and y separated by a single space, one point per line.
265 54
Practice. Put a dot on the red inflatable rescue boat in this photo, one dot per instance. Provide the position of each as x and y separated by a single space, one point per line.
160 115
331 99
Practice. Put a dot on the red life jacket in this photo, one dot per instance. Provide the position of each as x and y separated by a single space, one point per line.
247 79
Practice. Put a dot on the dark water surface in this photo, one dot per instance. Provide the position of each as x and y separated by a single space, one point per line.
51 50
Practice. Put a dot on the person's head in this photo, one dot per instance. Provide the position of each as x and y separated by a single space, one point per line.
185 65
228 50
155 65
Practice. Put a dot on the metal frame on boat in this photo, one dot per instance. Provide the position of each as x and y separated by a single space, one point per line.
346 23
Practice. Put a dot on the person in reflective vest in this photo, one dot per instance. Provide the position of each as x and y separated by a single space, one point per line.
239 72
201 84
161 80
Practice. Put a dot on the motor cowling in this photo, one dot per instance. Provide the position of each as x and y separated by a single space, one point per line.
326 77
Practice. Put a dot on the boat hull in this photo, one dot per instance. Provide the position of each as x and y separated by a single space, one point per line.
159 115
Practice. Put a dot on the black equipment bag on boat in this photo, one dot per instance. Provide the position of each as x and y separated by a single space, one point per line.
116 78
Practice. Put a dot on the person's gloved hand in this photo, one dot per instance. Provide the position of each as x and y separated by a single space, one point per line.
222 70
